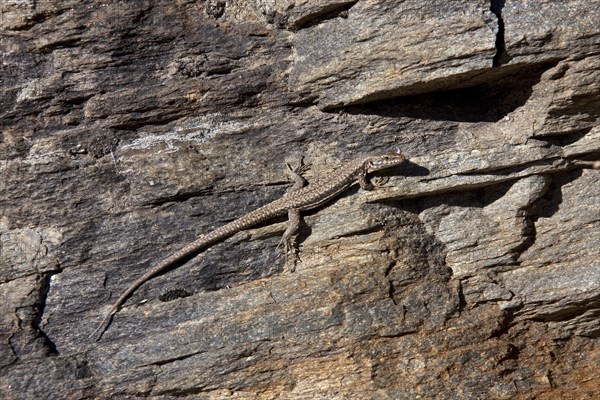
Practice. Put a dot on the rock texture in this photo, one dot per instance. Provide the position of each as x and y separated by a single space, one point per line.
129 128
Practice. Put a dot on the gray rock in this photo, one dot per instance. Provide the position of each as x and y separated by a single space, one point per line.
127 129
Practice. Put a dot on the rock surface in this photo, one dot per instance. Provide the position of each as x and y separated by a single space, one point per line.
129 128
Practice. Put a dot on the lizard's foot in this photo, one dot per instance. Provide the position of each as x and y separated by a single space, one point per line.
295 175
299 169
291 260
288 245
290 264
290 250
379 181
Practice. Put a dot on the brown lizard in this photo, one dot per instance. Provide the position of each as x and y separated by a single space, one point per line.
297 199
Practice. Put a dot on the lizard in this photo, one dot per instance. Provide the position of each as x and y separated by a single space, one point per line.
298 198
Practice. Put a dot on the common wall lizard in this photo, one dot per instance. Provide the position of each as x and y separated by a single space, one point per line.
297 199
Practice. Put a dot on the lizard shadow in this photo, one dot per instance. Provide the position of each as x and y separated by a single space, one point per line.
408 168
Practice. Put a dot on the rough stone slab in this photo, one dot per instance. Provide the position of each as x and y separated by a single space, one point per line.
539 31
571 235
127 129
295 14
381 50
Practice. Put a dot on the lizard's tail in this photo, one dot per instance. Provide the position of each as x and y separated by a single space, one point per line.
253 218
97 334
187 250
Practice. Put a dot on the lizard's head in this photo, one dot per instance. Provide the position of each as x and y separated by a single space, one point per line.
378 162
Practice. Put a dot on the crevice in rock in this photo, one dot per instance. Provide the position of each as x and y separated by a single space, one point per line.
504 325
547 205
41 306
327 13
365 231
564 139
179 197
583 159
391 287
66 43
392 292
512 353
173 359
462 300
529 232
174 294
459 98
501 57
572 311
512 170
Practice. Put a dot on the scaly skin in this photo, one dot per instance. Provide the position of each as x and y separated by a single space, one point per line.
300 199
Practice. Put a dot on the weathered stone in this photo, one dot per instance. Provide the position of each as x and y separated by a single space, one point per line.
547 30
127 129
381 50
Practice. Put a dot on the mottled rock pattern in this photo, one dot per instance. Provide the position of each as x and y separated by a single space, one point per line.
129 128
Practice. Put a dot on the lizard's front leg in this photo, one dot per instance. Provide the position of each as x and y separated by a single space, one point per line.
364 182
294 173
294 217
